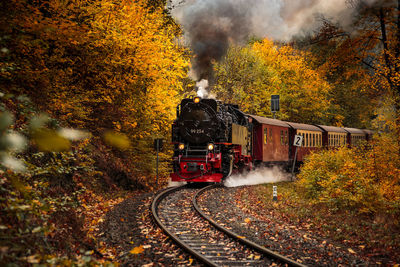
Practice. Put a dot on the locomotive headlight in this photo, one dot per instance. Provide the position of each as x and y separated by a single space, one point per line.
210 146
196 99
181 146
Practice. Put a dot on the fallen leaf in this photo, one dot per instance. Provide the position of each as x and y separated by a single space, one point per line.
32 259
351 251
137 250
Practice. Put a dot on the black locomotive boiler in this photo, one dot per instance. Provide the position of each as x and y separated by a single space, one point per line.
211 140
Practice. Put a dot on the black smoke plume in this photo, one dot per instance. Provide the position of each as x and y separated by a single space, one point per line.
210 29
211 25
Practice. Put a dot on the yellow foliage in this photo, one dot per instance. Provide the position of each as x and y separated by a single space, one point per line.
249 76
366 178
97 65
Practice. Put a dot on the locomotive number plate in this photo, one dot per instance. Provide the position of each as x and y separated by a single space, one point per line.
196 131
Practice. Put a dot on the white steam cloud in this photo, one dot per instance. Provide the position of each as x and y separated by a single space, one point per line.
258 176
202 88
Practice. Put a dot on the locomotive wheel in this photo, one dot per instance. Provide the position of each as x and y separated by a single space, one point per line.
227 165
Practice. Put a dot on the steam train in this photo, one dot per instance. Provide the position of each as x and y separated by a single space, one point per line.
212 140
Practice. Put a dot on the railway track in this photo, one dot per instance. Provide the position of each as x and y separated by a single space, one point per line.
176 211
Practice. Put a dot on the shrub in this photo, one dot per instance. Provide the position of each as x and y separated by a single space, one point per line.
366 178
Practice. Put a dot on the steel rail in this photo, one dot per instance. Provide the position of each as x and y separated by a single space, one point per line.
238 237
154 210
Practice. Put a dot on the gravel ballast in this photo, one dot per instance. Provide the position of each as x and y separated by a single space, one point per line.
130 224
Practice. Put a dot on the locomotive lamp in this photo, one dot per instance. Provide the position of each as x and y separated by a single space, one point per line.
181 146
210 146
196 99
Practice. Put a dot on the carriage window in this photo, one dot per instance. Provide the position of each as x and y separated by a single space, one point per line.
270 136
265 135
313 140
281 137
286 138
307 139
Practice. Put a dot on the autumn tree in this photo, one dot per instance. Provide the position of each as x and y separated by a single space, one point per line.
337 59
99 65
250 75
362 60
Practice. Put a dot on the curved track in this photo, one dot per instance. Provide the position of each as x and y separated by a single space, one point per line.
176 211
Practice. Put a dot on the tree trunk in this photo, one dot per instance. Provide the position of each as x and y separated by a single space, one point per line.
384 40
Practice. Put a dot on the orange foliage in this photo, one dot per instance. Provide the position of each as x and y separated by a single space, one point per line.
366 178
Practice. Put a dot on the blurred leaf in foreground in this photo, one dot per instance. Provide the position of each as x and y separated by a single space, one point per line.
73 134
6 119
49 140
13 141
39 121
117 140
12 163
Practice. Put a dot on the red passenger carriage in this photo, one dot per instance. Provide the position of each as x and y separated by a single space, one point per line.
270 141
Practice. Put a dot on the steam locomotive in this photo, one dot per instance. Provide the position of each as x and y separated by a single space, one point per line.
212 140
